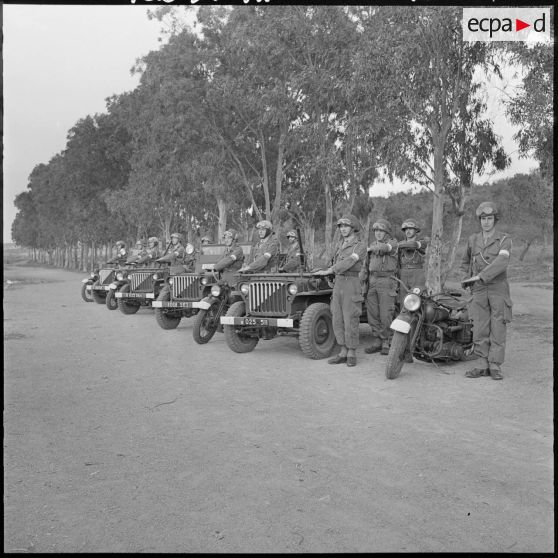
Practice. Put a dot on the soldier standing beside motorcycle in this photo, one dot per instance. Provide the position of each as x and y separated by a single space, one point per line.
263 256
378 277
346 300
484 266
412 254
234 255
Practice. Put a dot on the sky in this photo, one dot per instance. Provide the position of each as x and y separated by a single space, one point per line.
61 62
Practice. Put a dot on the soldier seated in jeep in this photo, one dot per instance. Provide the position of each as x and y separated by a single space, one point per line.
106 274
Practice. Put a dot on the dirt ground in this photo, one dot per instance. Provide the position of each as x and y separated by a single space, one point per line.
122 437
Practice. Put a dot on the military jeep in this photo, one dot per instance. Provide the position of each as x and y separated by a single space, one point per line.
292 304
182 293
140 287
101 286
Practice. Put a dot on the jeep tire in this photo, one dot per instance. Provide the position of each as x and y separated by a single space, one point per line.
163 318
237 342
85 294
110 300
315 336
126 307
96 295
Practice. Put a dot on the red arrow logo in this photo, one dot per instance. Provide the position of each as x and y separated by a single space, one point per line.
519 25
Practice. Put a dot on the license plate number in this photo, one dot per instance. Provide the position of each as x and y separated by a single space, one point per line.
178 305
256 322
133 295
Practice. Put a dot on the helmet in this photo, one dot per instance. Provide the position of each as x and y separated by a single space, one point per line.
292 233
206 239
177 235
410 224
120 244
487 208
232 233
153 240
349 220
265 224
140 241
382 225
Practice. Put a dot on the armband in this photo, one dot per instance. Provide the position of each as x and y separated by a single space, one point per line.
267 255
504 253
233 257
355 256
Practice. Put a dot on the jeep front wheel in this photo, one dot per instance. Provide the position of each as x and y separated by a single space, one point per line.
110 301
85 293
236 341
316 337
163 319
96 295
126 307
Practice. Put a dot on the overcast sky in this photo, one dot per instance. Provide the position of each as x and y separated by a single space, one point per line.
62 62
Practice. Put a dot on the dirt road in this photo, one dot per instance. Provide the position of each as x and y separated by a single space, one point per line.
122 437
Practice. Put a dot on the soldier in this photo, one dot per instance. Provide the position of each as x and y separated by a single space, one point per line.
379 280
234 255
263 256
484 267
292 260
121 253
346 300
152 253
412 253
138 253
178 257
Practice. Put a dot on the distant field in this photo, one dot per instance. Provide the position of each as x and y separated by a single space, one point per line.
12 254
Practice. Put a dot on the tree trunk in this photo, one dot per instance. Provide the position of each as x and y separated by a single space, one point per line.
434 265
328 220
456 236
279 175
222 208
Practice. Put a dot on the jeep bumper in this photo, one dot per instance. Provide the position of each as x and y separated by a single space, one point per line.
135 295
255 322
173 304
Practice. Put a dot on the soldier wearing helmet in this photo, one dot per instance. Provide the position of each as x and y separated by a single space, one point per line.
292 260
139 252
152 252
346 300
412 255
205 240
121 253
484 267
378 278
234 255
263 256
178 257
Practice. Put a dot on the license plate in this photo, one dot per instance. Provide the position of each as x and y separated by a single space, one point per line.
255 322
178 304
133 295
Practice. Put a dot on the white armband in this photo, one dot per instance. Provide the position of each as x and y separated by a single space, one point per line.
390 246
233 257
419 245
504 253
355 257
267 255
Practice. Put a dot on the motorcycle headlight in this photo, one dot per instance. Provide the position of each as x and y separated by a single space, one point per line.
171 281
244 288
92 274
204 281
215 290
189 248
416 290
292 288
411 302
120 275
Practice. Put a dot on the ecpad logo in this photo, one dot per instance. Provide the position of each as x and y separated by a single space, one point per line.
506 24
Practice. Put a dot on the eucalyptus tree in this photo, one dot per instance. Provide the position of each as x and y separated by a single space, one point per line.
431 77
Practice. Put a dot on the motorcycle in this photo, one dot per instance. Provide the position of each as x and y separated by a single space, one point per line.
431 328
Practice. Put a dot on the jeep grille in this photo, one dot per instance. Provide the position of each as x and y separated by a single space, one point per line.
186 286
106 276
267 297
142 282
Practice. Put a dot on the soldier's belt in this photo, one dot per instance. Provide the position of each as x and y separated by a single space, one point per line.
254 322
411 267
349 274
382 273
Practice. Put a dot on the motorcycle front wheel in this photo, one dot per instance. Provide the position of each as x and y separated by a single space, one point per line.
395 357
206 323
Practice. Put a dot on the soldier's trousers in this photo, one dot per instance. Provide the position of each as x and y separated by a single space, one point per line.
413 277
346 308
380 305
490 310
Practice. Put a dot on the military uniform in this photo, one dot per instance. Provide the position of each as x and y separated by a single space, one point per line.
263 255
178 258
382 290
491 307
150 255
412 256
292 260
346 300
232 259
121 255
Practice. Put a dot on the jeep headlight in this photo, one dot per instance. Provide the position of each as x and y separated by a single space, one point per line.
92 274
204 281
215 290
120 275
411 302
155 276
244 288
171 281
292 288
189 248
